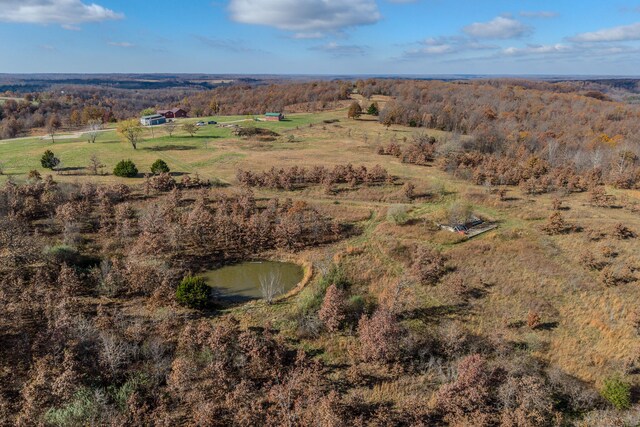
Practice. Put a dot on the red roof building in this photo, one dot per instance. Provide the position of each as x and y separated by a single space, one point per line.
174 113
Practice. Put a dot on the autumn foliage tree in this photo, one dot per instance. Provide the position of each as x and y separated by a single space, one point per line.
332 312
379 337
467 400
130 131
355 110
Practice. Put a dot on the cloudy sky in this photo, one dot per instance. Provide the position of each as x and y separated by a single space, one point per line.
583 37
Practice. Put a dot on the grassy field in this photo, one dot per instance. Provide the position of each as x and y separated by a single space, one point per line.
212 152
588 328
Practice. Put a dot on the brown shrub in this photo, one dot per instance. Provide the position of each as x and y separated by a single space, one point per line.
622 232
428 266
162 182
379 336
556 225
533 319
526 402
593 263
467 400
600 198
332 313
616 275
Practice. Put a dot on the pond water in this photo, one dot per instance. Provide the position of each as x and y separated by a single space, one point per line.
252 280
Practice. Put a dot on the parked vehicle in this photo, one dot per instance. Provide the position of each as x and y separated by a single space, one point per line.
201 124
212 122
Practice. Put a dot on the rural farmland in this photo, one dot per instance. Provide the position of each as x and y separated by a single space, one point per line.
319 213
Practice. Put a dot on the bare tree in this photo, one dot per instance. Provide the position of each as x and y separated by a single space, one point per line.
94 127
114 353
95 165
271 286
170 127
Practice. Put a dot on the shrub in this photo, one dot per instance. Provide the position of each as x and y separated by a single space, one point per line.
193 292
332 312
82 410
466 400
356 307
63 254
533 319
162 182
159 166
49 160
379 337
125 169
336 276
397 214
428 266
34 175
623 232
617 392
556 225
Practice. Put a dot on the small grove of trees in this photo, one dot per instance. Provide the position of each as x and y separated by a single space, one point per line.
373 109
355 110
287 179
49 160
125 169
193 292
159 166
420 152
131 131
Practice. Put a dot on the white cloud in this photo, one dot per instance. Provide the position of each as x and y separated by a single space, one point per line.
446 45
621 33
501 27
307 36
537 50
63 12
306 16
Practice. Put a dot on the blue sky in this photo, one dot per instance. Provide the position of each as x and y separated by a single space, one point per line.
588 37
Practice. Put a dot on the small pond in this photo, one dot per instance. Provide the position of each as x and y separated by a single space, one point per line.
250 280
